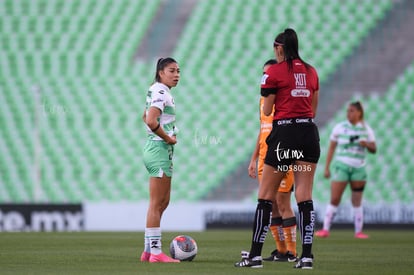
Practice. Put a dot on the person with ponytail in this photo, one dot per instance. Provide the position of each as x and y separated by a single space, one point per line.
283 224
291 89
353 138
159 117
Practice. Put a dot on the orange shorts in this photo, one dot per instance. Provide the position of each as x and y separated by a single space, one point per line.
286 185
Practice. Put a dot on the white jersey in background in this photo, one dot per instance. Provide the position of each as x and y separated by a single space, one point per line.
348 136
159 96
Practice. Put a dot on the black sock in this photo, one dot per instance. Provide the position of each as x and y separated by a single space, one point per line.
306 226
289 222
276 221
261 225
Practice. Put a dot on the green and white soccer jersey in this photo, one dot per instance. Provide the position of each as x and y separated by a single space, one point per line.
348 136
157 154
159 96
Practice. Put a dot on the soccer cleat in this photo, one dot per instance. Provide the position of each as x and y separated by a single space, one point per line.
304 263
276 256
291 258
361 235
145 256
255 262
162 258
322 233
272 256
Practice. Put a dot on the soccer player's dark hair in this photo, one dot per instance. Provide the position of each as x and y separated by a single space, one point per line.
161 64
290 44
270 62
358 106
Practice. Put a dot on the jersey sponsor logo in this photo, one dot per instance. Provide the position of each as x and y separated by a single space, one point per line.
303 120
266 125
300 93
157 100
161 92
284 121
264 77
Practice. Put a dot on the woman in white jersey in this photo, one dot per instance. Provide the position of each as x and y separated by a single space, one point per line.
159 117
351 139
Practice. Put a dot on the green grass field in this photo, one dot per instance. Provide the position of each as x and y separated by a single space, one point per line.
386 252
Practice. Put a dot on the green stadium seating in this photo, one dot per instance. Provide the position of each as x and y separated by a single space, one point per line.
70 50
79 54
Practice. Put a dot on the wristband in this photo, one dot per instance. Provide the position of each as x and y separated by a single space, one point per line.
156 128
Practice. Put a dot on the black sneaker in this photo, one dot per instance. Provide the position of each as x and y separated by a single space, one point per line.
304 263
256 262
276 256
291 258
273 256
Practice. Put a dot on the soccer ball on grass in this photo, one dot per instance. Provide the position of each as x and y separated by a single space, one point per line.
183 248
